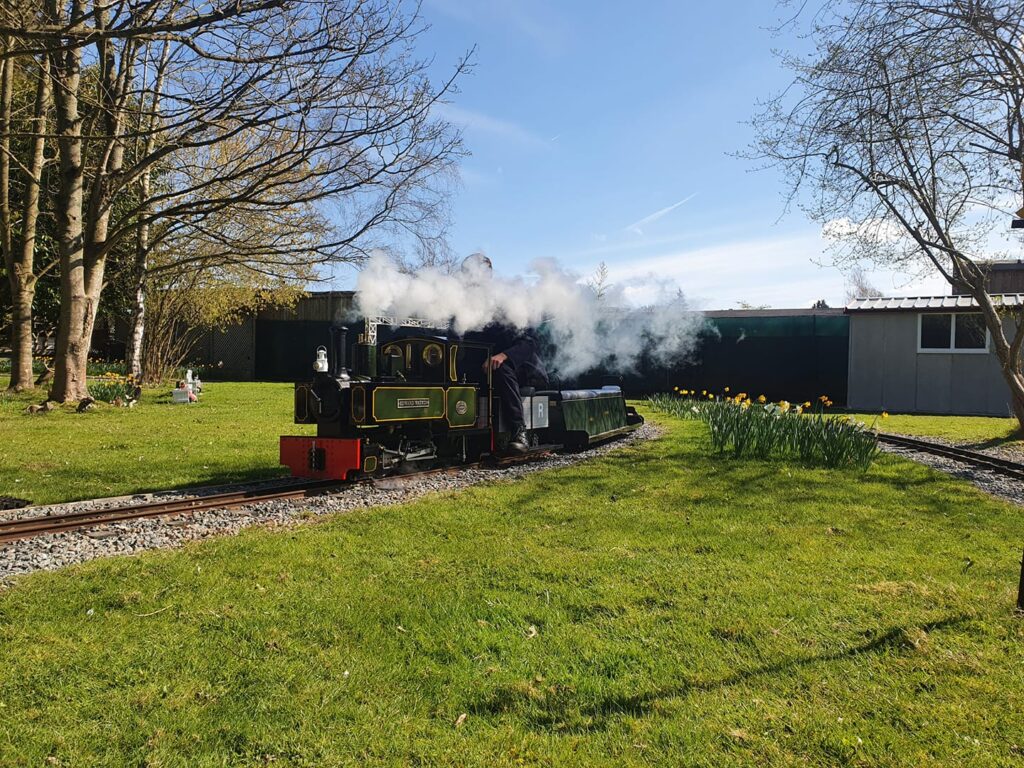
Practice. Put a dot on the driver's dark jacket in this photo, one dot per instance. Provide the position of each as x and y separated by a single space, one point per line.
522 347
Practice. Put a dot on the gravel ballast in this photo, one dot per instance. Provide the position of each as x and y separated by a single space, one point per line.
53 551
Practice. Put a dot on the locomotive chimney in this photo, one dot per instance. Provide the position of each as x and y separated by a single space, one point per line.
339 344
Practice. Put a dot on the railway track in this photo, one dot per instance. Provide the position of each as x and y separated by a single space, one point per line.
978 459
40 525
28 527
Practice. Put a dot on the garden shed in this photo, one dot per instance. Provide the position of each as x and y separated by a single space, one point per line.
925 354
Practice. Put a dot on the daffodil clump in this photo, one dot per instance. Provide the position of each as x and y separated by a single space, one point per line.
111 387
755 427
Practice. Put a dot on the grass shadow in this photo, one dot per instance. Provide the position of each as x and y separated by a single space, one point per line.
996 442
561 713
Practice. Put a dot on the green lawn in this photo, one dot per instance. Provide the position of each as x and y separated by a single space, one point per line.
230 435
656 606
979 431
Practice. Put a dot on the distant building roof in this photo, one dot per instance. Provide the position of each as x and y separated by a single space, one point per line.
929 303
1000 266
796 312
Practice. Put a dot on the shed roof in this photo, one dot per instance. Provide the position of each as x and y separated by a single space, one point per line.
930 303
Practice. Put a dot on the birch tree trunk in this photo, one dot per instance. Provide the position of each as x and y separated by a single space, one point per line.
137 329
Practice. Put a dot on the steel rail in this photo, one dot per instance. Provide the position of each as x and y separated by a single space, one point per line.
978 459
28 527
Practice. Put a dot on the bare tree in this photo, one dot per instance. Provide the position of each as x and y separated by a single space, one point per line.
258 106
906 129
184 304
600 282
858 286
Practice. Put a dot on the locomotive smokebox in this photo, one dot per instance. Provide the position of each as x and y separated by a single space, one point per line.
339 346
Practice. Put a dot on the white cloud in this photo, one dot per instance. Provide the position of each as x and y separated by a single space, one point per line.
779 272
637 226
478 121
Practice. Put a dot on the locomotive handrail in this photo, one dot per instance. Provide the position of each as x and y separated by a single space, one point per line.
370 330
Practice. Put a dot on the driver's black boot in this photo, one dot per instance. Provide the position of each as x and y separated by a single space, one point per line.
520 442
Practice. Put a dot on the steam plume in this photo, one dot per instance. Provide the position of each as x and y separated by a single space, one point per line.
586 331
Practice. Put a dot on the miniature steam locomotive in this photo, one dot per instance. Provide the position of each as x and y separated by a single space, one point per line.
416 401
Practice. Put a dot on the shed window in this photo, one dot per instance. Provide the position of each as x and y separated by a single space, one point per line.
935 331
952 333
970 332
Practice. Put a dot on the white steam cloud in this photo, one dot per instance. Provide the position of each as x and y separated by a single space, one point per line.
586 331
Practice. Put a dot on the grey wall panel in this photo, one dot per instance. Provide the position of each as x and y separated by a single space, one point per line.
899 362
971 383
934 383
997 396
866 373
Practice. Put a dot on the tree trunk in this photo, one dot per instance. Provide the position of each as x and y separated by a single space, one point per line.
137 330
1007 353
6 239
22 377
78 307
22 269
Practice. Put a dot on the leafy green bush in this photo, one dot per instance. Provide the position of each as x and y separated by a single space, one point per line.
763 430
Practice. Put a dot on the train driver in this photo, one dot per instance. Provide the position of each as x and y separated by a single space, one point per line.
519 364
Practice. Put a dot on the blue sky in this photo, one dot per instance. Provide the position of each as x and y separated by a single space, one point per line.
603 132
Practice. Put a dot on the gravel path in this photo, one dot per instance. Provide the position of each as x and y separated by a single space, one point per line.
991 482
50 552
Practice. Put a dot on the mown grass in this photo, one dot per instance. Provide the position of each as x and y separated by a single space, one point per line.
232 434
975 430
653 607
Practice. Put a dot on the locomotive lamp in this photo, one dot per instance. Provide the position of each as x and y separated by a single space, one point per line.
320 364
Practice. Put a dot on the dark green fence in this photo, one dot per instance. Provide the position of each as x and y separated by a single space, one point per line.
793 358
796 357
285 349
